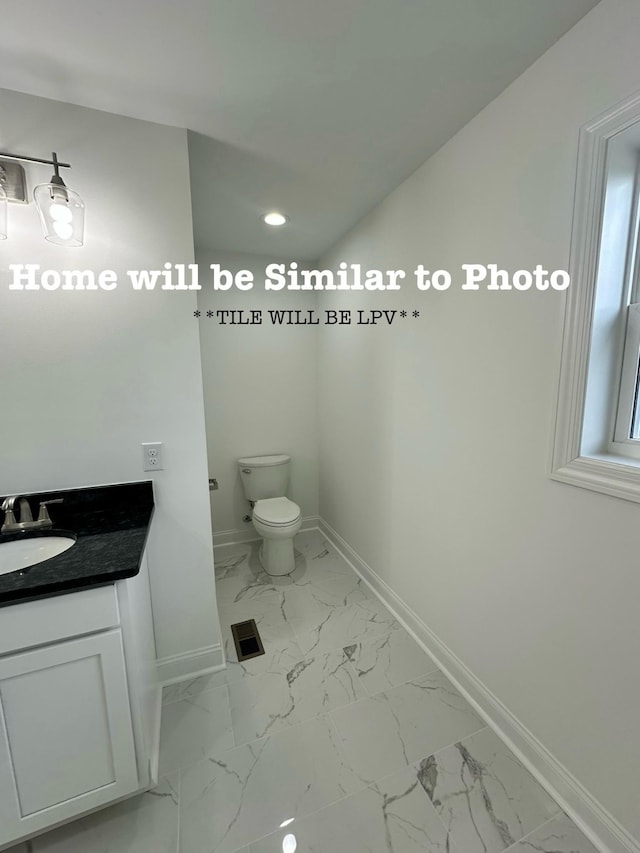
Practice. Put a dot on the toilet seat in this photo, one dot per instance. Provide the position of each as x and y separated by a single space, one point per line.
276 512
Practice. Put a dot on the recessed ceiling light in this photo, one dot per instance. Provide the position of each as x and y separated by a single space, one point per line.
274 218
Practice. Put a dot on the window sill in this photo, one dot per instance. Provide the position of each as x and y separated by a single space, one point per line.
618 476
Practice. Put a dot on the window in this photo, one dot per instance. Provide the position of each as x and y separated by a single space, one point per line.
597 439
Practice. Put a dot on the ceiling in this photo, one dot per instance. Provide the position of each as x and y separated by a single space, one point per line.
317 108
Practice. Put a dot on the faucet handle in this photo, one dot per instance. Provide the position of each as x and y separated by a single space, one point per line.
43 514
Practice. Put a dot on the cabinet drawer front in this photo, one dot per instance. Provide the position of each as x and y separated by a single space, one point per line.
47 620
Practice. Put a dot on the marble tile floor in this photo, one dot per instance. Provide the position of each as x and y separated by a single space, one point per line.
343 738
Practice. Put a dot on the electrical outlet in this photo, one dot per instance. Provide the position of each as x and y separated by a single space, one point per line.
152 456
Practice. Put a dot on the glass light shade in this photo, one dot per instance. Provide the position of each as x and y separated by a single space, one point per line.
3 213
61 212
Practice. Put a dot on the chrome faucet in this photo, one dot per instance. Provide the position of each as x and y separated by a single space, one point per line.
26 522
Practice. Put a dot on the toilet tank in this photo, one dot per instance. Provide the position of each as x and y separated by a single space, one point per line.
264 476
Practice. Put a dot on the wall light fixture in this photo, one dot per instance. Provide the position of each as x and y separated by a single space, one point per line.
61 210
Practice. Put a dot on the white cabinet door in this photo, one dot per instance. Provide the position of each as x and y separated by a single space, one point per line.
66 742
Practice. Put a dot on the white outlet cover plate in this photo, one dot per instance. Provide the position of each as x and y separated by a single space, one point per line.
152 456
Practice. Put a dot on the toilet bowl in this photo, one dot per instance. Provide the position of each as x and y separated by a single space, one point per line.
275 518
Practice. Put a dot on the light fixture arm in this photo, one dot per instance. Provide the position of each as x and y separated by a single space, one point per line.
53 162
61 210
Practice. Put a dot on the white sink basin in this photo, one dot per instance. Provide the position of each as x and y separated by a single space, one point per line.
22 553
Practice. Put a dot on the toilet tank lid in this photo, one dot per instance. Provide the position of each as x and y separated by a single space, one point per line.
263 461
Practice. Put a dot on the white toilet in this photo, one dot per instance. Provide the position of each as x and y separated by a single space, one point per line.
275 517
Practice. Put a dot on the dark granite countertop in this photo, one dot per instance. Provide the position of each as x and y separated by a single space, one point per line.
111 525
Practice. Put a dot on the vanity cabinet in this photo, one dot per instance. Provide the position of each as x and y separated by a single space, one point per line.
79 706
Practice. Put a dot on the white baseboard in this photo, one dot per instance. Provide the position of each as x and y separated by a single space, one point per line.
191 664
605 832
248 533
234 537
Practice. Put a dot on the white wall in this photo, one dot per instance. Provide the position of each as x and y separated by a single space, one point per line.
86 377
435 436
260 388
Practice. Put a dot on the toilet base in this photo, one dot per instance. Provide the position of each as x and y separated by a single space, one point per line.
276 556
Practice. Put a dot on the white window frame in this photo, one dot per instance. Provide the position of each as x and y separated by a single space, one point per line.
628 413
613 467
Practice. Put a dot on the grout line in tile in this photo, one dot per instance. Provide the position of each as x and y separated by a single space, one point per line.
524 837
365 786
452 843
193 696
371 695
515 758
286 728
319 713
466 737
211 755
454 742
356 680
305 816
452 846
171 701
410 763
394 686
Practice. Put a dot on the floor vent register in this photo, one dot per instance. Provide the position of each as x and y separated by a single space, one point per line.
247 640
